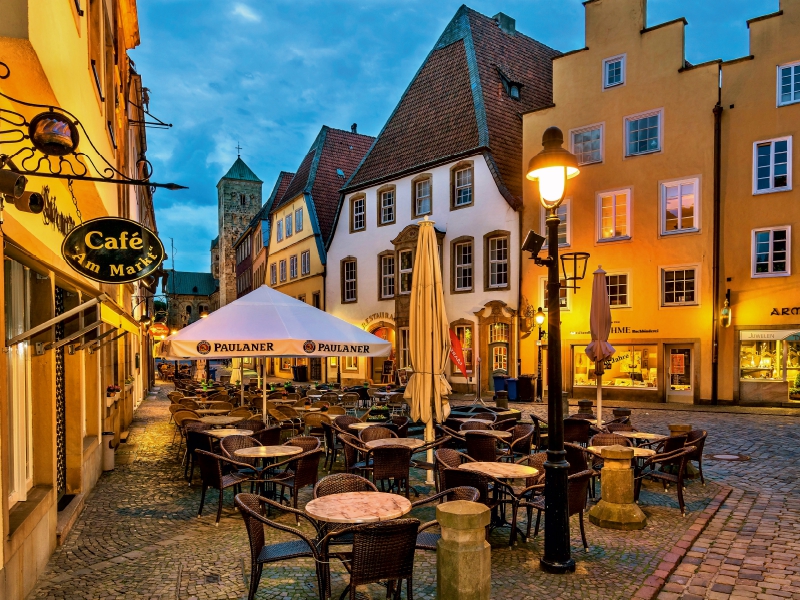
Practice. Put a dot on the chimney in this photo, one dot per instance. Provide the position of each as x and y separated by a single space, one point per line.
506 23
354 127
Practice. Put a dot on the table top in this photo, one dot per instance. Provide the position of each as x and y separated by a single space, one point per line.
221 433
307 408
204 401
492 432
360 426
637 452
500 470
281 401
217 420
467 420
212 411
640 435
267 451
407 442
358 507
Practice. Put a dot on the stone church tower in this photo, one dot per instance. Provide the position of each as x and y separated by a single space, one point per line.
239 199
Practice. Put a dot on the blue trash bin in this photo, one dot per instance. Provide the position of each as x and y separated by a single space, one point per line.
212 374
499 381
511 386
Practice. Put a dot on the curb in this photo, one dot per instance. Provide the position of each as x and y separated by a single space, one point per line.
653 584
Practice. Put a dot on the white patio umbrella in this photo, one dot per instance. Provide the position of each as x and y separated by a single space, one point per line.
599 349
429 338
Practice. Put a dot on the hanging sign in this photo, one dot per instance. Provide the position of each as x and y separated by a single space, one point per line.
113 250
457 353
159 329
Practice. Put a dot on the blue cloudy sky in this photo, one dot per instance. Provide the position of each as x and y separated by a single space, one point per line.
268 73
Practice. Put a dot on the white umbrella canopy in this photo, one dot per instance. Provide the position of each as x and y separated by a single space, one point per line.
599 349
267 322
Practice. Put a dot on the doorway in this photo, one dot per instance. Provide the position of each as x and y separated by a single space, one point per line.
680 377
376 367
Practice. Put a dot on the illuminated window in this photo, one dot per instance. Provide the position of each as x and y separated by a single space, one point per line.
772 252
614 215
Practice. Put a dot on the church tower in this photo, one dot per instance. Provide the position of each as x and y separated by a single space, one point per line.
239 199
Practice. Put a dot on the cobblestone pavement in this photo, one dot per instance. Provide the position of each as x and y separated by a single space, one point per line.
139 537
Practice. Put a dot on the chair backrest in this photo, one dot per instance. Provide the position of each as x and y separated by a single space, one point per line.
300 403
609 439
277 414
253 425
383 551
224 378
335 411
343 422
481 446
173 408
375 433
613 427
525 432
232 443
189 403
275 396
314 420
241 412
341 483
327 431
576 457
577 487
576 431
391 462
537 462
485 416
330 397
453 478
674 443
289 412
306 468
474 426
696 438
198 439
210 468
396 400
293 396
403 424
463 492
271 436
306 442
320 404
351 446
181 415
224 405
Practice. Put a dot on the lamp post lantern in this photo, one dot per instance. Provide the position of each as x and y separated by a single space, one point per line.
551 168
539 318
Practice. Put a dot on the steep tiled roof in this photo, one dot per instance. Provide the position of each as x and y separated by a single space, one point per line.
283 181
456 105
241 172
185 282
317 175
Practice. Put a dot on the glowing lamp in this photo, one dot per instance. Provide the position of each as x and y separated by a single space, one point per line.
552 167
726 313
203 314
539 317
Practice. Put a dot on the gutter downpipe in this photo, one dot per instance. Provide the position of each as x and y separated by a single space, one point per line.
519 293
717 241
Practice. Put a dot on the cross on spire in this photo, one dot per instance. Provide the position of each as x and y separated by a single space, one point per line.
238 150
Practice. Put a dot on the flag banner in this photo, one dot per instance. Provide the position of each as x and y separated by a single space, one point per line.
457 354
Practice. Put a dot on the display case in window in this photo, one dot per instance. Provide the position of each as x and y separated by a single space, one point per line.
630 367
762 360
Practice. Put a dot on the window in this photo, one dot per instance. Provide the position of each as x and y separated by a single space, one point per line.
358 217
679 286
500 358
293 266
387 276
772 252
772 161
315 300
289 225
462 252
564 227
279 230
349 273
286 364
387 207
298 219
498 333
631 367
643 133
351 363
587 144
614 215
242 200
405 356
614 71
462 187
679 203
422 197
283 270
406 258
498 262
305 262
302 297
789 84
563 296
618 291
273 274
464 335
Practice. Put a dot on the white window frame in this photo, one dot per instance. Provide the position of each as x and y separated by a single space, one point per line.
273 274
359 214
388 279
599 215
771 190
417 197
491 262
463 266
401 271
282 269
305 262
293 266
404 353
388 194
592 127
629 292
567 206
470 186
468 352
298 220
351 363
790 65
500 350
626 122
289 231
354 280
697 290
788 272
623 58
663 185
279 230
543 296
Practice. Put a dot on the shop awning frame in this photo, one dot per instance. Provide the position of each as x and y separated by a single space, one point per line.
93 342
25 335
73 336
108 341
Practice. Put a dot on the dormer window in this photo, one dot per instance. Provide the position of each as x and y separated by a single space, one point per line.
514 92
510 85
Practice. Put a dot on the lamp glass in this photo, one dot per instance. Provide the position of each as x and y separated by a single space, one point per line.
539 317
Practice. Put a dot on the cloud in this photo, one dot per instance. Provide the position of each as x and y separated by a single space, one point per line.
245 12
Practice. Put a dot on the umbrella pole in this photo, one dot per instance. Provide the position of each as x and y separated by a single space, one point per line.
428 439
264 393
241 382
598 372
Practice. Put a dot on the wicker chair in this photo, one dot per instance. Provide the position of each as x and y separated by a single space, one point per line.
576 457
282 420
293 396
403 423
577 486
332 445
667 467
485 416
213 477
252 510
396 404
538 426
301 470
306 442
375 433
275 396
343 422
474 426
427 540
504 424
253 425
271 436
182 417
189 403
335 411
232 443
600 440
697 439
453 478
353 448
330 397
339 484
481 446
224 406
521 441
447 458
299 403
242 413
577 431
350 402
196 439
614 427
392 464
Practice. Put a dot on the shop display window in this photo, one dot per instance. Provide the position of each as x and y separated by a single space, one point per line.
774 360
631 366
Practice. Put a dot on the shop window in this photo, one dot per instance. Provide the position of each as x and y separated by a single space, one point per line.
643 133
279 230
358 214
406 259
587 144
351 363
286 364
631 366
305 262
289 231
563 295
614 215
618 290
387 209
387 276
462 187
772 170
679 286
293 266
565 226
422 197
498 262
298 220
273 274
679 204
500 358
772 252
404 354
464 335
349 281
775 360
283 270
463 266
614 71
789 84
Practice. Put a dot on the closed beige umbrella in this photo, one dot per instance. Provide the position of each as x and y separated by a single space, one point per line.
429 337
599 349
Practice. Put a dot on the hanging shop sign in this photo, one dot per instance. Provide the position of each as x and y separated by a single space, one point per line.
113 250
159 330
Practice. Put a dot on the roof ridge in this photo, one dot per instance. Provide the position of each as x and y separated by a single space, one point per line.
239 171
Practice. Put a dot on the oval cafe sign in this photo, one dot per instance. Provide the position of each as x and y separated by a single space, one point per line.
113 250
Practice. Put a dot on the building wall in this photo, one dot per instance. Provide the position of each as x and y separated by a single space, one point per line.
233 220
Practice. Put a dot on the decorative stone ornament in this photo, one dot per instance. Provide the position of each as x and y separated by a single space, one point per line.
616 509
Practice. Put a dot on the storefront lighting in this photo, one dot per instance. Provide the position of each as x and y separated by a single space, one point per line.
552 167
145 319
11 183
173 331
539 317
726 313
204 314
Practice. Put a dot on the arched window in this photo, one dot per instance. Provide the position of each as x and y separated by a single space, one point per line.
243 199
189 310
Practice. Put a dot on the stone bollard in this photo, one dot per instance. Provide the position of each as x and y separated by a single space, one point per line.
677 429
616 509
501 399
463 556
585 408
621 412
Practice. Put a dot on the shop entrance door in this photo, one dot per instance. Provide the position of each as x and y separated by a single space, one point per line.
679 369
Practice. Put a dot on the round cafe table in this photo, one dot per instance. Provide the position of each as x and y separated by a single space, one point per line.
358 507
223 433
641 435
302 409
637 452
500 470
494 433
468 420
412 443
364 425
212 411
267 451
281 401
219 420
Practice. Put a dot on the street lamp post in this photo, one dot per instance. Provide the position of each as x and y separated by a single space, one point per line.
539 319
551 168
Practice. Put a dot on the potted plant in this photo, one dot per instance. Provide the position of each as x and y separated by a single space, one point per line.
379 414
112 391
794 391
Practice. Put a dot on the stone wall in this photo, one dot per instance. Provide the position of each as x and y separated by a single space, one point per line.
239 201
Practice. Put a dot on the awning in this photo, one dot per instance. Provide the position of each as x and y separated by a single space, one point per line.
119 320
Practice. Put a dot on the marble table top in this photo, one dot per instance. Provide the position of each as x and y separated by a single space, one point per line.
210 402
358 507
492 432
307 408
360 426
407 442
500 470
281 401
267 451
212 411
221 433
467 420
637 452
217 420
640 435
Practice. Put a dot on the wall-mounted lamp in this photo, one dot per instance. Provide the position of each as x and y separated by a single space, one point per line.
726 313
